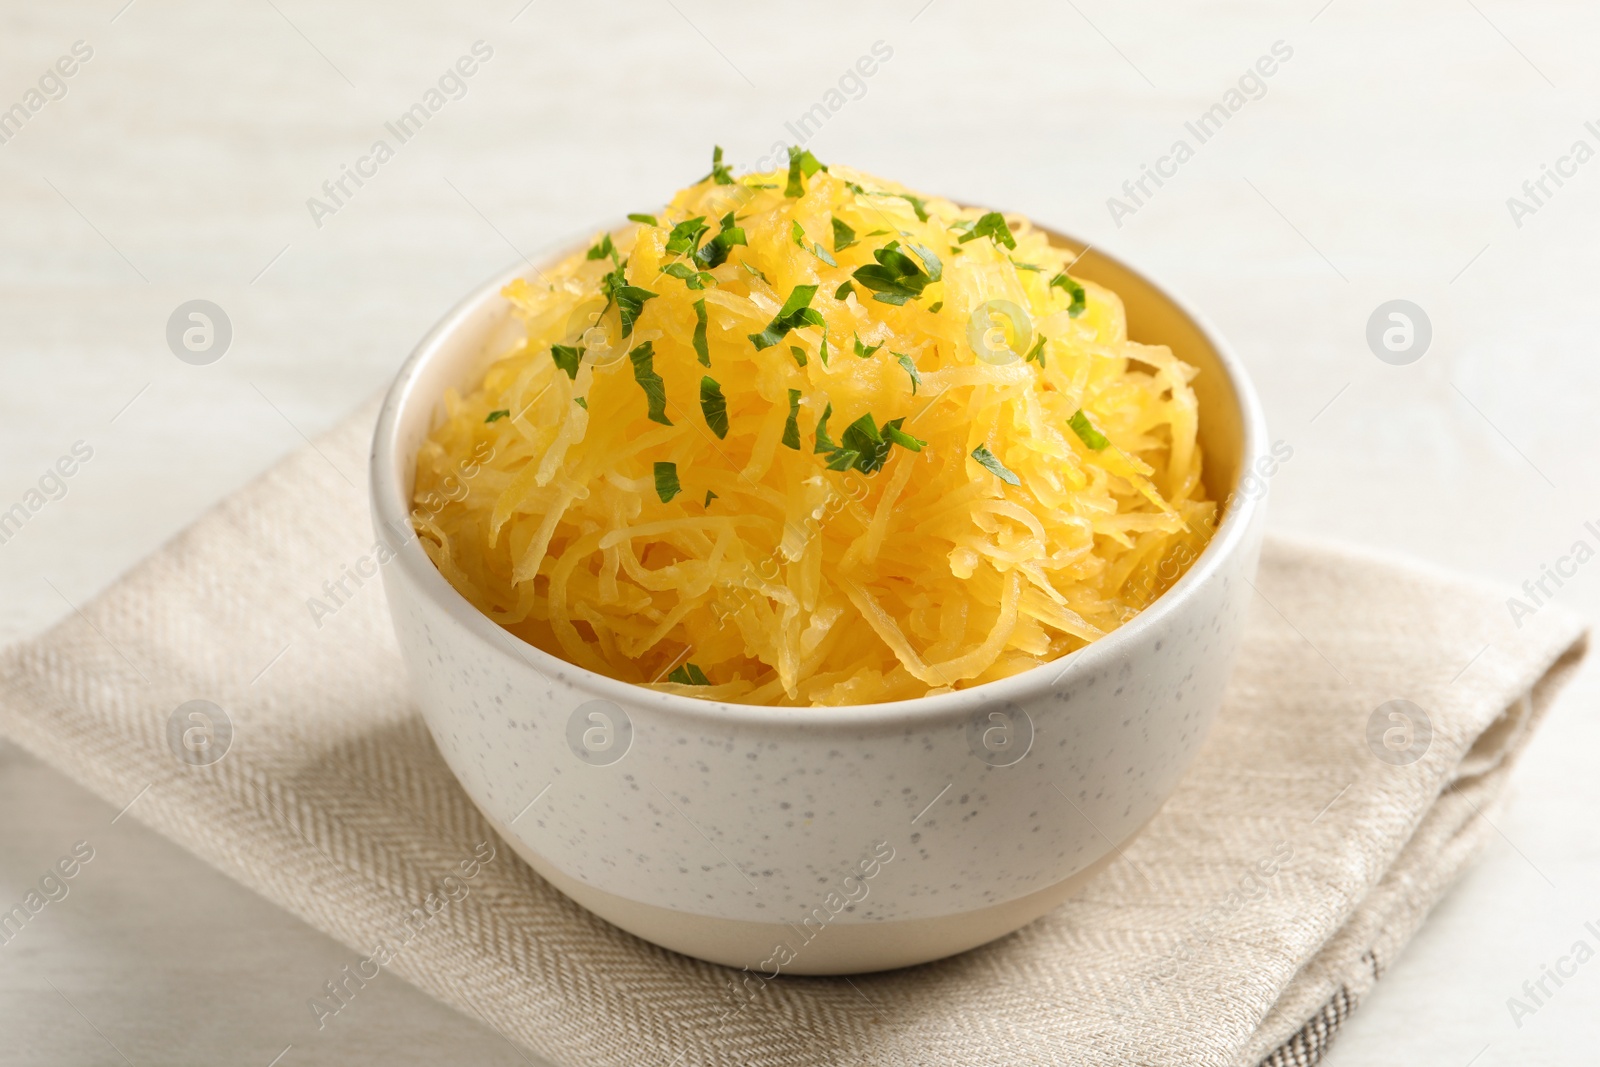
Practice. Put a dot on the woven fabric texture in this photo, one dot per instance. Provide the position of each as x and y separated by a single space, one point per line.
1242 927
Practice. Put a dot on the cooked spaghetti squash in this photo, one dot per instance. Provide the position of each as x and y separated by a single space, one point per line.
807 437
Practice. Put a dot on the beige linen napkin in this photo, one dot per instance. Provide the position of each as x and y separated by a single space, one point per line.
1280 880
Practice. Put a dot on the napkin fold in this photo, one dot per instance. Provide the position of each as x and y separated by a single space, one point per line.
1372 719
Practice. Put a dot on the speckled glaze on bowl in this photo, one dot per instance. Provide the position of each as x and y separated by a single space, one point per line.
824 840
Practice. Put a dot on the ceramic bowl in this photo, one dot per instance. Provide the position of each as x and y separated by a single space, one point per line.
825 840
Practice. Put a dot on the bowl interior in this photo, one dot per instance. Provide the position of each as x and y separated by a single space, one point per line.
456 353
1155 318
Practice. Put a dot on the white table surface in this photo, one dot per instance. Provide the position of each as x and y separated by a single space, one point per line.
1377 165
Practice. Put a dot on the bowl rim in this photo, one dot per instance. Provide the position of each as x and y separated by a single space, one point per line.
391 513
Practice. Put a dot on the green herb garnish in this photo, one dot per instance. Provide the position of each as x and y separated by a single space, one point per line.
862 438
685 236
710 496
667 485
843 459
798 233
721 173
992 225
1080 300
567 357
987 460
630 302
801 162
911 369
862 350
1036 352
893 432
824 442
1086 432
503 413
693 279
688 674
917 203
582 402
603 249
700 348
798 353
843 291
843 235
648 220
791 428
655 390
896 277
795 313
715 252
628 298
714 406
933 308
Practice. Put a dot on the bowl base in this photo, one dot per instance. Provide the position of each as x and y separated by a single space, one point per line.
839 948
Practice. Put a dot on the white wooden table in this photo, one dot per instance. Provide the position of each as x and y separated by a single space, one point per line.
1375 163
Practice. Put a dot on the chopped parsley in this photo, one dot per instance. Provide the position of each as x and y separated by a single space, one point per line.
987 460
753 270
795 313
896 277
667 485
503 413
798 233
628 298
791 428
1079 300
992 225
721 173
824 442
715 251
911 369
842 459
648 220
893 432
801 162
714 406
798 353
863 351
862 438
685 236
700 348
843 235
582 402
1036 352
694 279
1017 263
864 447
603 249
688 674
710 496
567 357
918 205
843 291
630 302
655 390
933 308
1086 432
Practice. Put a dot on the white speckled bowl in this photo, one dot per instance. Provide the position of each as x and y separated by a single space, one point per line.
824 840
